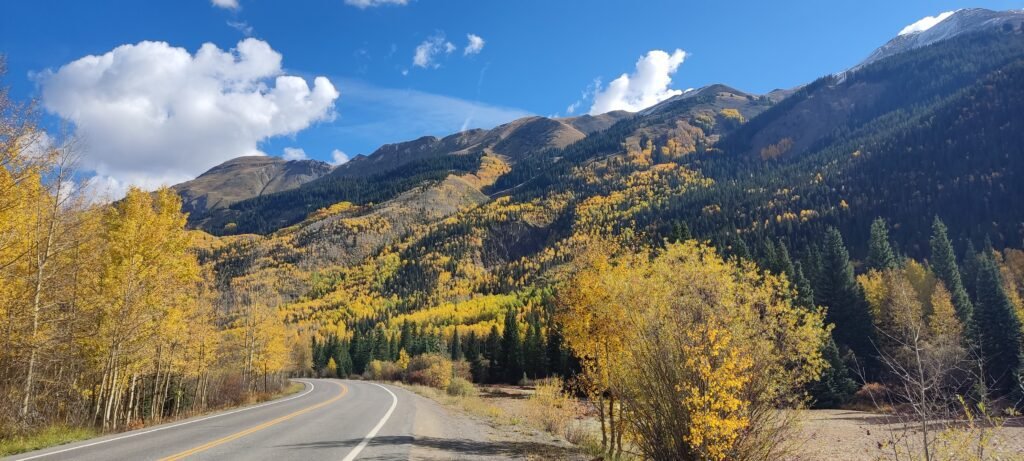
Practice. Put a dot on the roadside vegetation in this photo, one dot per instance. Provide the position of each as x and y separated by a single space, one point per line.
108 320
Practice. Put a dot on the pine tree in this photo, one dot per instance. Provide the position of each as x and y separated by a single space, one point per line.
835 387
804 291
880 254
492 352
512 348
556 355
944 264
535 360
381 348
970 270
455 347
838 291
680 232
996 327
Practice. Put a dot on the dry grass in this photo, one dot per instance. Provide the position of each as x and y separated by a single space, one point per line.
59 435
48 437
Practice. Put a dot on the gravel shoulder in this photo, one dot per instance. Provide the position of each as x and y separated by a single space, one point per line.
444 430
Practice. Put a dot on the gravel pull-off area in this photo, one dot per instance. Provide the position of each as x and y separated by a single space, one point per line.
856 435
446 433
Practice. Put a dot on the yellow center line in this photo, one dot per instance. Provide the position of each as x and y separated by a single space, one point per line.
221 441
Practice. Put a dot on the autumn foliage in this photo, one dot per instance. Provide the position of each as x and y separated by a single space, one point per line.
698 351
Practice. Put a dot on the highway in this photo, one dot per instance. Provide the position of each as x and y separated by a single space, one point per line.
329 420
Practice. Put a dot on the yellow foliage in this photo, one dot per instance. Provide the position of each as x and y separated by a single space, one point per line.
708 321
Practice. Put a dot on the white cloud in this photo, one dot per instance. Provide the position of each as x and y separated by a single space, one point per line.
243 27
294 153
338 157
228 4
395 115
585 95
645 87
926 23
364 4
475 45
426 52
152 114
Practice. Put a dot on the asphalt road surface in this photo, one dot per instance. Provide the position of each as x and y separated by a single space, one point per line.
329 420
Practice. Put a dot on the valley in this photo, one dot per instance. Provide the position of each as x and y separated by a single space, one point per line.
682 281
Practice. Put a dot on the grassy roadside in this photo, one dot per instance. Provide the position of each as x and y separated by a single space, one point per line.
48 437
60 434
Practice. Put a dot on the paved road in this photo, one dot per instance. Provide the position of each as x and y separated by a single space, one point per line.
329 420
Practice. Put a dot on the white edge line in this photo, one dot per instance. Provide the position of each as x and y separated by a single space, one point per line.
171 426
373 432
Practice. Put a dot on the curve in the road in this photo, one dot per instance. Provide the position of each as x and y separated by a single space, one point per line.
373 432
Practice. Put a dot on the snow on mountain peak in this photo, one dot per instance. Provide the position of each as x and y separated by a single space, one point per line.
926 23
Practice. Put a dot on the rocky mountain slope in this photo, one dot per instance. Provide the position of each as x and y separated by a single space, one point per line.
481 218
244 178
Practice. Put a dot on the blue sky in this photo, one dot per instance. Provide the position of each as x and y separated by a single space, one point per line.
538 57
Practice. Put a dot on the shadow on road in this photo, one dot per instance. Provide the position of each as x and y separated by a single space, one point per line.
459 447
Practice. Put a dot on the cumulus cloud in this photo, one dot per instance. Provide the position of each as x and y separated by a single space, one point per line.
338 157
475 45
645 87
364 4
926 23
427 52
294 153
227 4
152 114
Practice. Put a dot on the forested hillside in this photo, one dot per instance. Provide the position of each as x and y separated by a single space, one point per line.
734 252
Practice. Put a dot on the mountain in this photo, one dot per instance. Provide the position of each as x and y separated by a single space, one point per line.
485 218
391 170
244 178
964 21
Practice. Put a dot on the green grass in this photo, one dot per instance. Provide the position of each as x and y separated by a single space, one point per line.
48 437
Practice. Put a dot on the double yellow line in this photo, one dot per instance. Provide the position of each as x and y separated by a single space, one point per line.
221 441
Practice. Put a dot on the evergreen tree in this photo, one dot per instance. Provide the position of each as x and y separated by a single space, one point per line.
996 327
472 347
344 360
944 264
512 348
839 292
492 352
381 348
835 387
804 291
455 347
534 354
680 232
405 337
880 254
556 355
970 270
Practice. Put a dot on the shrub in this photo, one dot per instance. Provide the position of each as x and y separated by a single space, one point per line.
383 371
432 370
460 387
552 408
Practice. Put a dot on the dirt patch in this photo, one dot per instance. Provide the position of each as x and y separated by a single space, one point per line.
857 435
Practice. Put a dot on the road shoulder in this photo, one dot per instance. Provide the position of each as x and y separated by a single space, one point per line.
443 431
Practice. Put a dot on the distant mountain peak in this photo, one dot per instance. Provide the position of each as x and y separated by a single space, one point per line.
941 27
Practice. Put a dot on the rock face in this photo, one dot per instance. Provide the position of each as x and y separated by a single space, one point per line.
244 178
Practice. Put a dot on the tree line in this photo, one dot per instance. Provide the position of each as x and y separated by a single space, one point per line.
108 320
